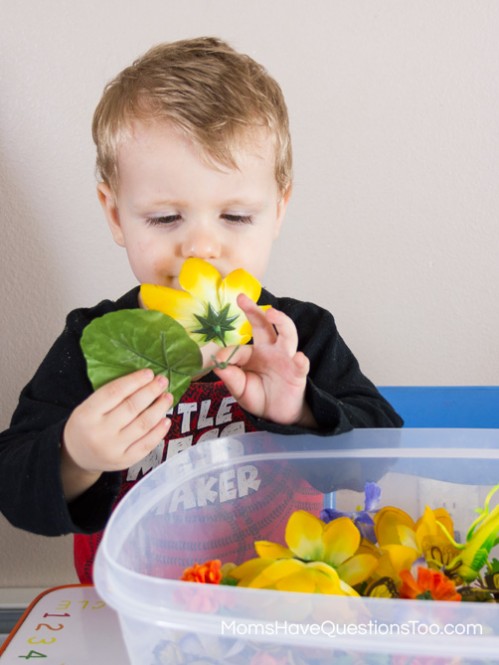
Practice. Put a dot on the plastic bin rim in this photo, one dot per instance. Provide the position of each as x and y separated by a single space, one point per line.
182 468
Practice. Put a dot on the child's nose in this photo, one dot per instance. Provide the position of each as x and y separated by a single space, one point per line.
201 245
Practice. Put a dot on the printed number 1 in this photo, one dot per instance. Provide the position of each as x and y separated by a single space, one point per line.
33 654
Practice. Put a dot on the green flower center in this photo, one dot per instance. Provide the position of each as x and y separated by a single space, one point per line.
215 325
426 595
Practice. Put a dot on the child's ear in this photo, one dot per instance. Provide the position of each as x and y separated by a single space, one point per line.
281 209
108 203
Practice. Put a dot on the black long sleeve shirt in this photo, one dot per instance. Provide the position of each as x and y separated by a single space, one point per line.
31 494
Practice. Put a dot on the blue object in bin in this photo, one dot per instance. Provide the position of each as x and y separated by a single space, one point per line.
445 406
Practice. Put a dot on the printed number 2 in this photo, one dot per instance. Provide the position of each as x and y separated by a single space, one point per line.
59 626
33 654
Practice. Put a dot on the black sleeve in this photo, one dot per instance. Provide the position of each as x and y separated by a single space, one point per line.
339 395
31 493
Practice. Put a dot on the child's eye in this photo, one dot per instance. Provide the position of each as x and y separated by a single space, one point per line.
163 220
238 219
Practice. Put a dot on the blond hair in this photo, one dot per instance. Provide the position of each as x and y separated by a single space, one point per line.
204 87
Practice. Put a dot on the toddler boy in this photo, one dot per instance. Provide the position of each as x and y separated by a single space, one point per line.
194 160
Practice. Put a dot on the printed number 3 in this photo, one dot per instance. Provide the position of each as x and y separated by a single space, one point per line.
33 641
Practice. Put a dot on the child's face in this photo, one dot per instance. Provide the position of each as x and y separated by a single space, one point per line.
171 204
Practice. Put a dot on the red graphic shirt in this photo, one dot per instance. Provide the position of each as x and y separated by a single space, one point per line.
207 411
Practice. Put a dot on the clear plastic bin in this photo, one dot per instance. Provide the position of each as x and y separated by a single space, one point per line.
215 499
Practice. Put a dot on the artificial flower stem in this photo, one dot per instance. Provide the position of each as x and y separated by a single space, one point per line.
225 363
484 512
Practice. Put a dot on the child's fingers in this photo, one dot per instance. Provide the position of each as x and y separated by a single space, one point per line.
111 395
270 325
146 420
139 449
135 404
234 379
302 364
239 355
263 332
287 335
149 438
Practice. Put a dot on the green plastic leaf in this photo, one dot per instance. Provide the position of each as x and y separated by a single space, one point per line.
122 342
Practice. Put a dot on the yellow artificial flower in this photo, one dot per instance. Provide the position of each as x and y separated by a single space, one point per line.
432 543
320 558
207 306
402 540
291 575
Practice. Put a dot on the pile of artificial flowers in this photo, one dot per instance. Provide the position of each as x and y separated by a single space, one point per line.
372 552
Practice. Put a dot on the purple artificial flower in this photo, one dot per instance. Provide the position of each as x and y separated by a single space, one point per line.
361 518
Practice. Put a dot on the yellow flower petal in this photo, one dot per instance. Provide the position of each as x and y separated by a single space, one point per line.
242 332
180 305
268 550
314 577
327 579
386 523
245 332
443 516
431 540
357 569
407 536
384 567
437 551
247 571
347 589
299 582
236 282
341 539
201 280
400 557
283 567
367 547
304 535
269 575
324 585
427 523
239 281
177 304
324 569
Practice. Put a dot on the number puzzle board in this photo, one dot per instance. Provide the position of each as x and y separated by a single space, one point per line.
67 625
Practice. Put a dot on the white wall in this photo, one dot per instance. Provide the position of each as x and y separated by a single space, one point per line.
393 225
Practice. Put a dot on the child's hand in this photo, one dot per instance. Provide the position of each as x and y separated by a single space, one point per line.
114 428
268 378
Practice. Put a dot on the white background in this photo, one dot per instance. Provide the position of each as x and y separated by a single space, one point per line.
393 226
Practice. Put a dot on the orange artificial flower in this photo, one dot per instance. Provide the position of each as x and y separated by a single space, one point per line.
429 585
207 573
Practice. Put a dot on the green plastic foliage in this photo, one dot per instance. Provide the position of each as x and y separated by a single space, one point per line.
122 342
